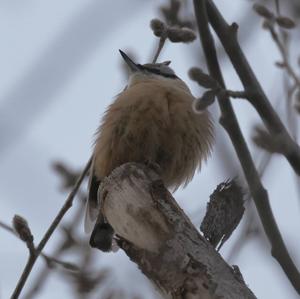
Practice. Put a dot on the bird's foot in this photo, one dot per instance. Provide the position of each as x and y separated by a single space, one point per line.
154 166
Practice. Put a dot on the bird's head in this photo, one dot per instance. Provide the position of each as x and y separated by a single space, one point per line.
142 72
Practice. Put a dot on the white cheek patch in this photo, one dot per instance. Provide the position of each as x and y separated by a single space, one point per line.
130 80
135 77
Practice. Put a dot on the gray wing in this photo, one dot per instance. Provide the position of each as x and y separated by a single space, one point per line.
92 205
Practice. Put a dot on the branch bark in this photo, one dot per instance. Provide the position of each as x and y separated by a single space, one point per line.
157 235
229 122
228 37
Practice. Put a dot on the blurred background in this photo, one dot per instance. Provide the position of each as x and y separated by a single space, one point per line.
59 68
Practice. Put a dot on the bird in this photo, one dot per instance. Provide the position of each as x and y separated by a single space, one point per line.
151 121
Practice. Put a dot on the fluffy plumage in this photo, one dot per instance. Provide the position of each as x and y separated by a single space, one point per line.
152 120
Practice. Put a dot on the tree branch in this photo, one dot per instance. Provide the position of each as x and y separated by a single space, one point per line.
228 37
156 234
229 122
67 243
32 258
32 250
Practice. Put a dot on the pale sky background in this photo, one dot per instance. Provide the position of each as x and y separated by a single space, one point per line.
59 69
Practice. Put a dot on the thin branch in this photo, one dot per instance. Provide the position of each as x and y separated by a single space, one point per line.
283 51
228 37
47 258
66 244
235 94
32 259
246 233
174 34
8 228
281 39
161 44
229 122
249 229
277 7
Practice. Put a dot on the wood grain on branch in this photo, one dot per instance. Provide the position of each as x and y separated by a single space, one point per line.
229 121
156 234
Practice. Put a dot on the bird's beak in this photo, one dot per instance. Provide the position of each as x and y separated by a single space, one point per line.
132 65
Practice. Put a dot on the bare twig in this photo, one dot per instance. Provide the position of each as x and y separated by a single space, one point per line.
174 34
172 16
236 94
64 245
32 259
281 39
285 59
7 228
161 43
48 258
247 232
68 177
277 6
250 227
86 280
228 36
229 122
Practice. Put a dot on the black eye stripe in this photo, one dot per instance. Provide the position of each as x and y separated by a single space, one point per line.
158 72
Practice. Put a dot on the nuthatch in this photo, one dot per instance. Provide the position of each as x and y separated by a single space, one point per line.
152 120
